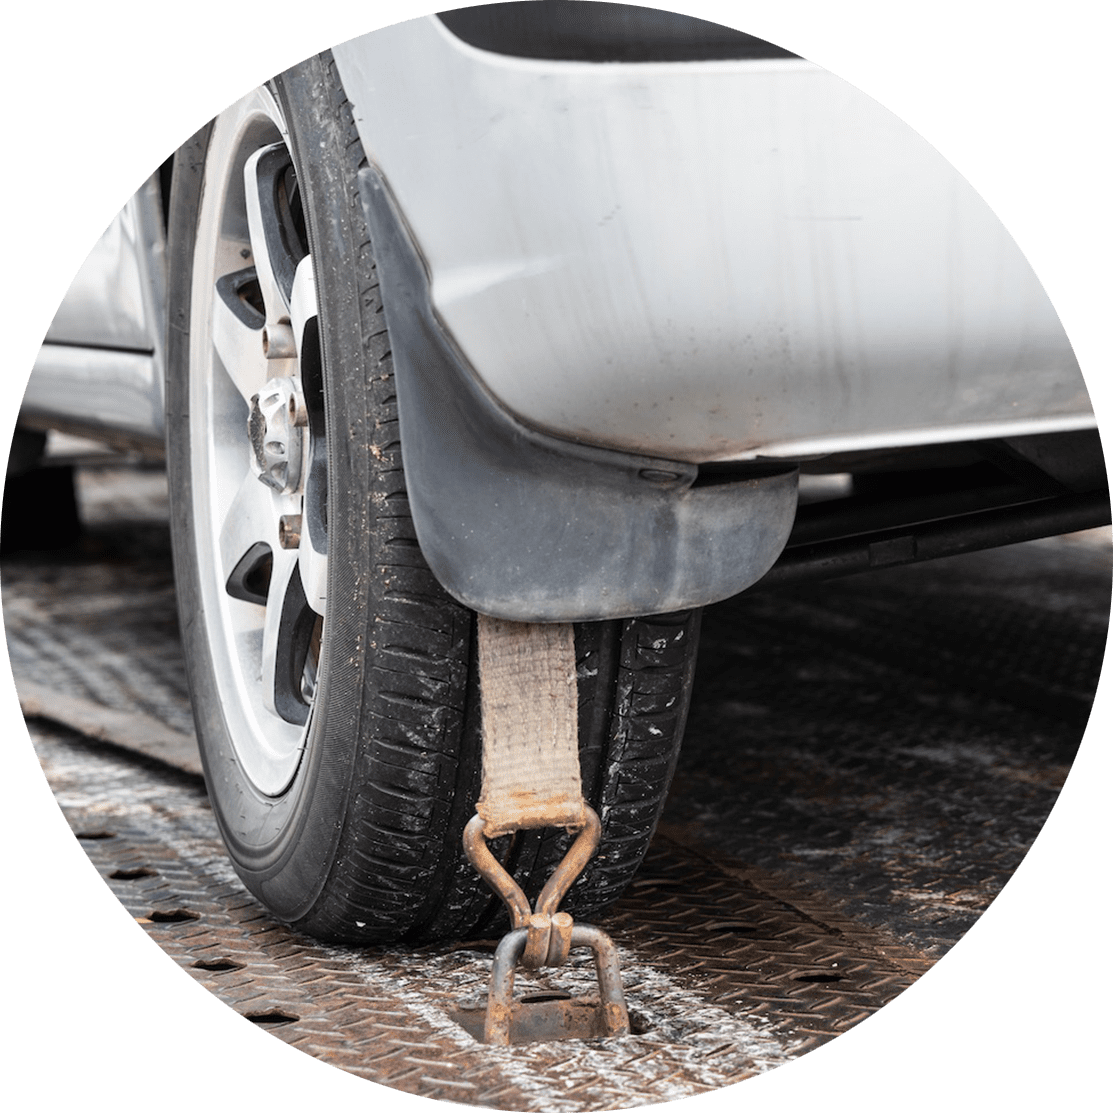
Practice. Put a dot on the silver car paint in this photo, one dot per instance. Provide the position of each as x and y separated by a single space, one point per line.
101 366
706 261
703 261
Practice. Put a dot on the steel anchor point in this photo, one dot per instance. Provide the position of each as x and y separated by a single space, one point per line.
544 937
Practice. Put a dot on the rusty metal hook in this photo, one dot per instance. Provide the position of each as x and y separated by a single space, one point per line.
543 937
496 876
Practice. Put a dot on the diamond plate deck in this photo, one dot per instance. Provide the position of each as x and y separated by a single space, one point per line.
725 975
865 765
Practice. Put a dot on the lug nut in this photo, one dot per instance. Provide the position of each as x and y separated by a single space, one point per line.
299 416
278 342
289 531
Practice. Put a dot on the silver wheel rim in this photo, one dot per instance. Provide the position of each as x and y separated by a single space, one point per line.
257 442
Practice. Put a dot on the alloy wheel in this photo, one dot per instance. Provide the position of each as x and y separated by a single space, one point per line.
257 441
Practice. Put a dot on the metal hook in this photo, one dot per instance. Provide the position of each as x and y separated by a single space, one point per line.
571 866
543 937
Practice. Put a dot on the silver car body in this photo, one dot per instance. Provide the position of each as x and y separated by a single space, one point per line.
100 369
707 260
698 262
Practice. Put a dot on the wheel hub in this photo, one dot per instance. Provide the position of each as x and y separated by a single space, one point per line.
274 427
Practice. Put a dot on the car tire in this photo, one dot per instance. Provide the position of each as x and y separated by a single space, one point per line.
333 680
40 512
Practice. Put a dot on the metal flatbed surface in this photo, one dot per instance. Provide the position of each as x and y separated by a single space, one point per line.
865 765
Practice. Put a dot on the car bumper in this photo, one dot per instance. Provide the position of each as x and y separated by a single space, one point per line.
705 261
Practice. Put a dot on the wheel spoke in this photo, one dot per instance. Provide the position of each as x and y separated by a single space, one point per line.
313 568
238 342
303 299
312 560
250 519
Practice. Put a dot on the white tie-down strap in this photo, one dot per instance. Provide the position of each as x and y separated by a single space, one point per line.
531 759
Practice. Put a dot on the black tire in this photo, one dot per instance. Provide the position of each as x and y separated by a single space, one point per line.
40 512
362 842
